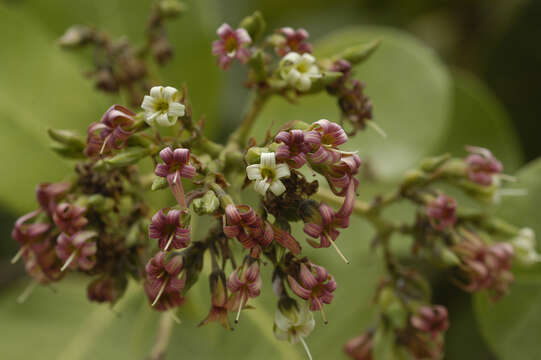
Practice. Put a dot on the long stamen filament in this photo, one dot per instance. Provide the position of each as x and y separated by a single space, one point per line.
337 249
27 292
169 242
19 254
305 347
240 309
376 127
105 143
159 293
69 261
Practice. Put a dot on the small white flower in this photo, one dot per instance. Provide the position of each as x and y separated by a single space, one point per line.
267 174
525 247
299 70
294 326
162 106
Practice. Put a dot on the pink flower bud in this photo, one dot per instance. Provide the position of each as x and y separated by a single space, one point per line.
482 165
69 218
442 212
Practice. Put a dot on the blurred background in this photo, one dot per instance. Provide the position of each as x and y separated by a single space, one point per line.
448 73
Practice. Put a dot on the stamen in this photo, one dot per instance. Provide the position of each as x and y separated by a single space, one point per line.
175 178
159 293
169 242
337 249
69 261
506 177
376 127
323 315
105 143
175 317
240 308
27 292
305 347
19 254
512 192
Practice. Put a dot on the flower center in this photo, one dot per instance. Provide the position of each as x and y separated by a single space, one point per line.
162 106
268 173
303 67
231 46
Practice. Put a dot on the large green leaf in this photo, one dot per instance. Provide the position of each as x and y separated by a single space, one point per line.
43 86
512 325
410 90
479 119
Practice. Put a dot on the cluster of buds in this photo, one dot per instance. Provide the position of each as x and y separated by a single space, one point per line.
120 65
487 267
100 225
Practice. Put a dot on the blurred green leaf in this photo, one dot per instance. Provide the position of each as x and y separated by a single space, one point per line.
479 119
411 98
511 325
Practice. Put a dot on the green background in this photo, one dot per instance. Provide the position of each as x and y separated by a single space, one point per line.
448 73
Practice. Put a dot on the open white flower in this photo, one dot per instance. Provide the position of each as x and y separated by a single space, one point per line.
267 174
299 70
294 326
525 247
162 107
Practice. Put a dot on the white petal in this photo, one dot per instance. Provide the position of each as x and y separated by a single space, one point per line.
148 103
307 58
176 109
261 186
164 120
282 170
293 76
304 83
268 160
150 116
281 334
292 57
277 187
253 172
313 72
169 93
156 92
281 321
305 329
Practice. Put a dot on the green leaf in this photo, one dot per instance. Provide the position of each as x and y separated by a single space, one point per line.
512 325
479 119
411 98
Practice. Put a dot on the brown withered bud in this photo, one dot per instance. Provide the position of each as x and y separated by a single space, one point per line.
360 347
161 49
289 204
106 81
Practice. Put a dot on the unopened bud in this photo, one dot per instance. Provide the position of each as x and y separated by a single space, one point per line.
414 177
257 65
254 25
207 204
327 78
127 157
69 138
159 183
432 163
253 155
171 8
359 53
77 35
67 152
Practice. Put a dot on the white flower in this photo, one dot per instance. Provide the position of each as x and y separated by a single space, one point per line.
267 174
524 245
162 106
294 325
299 70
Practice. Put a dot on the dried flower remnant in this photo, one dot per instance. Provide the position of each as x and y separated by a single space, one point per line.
69 218
431 319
